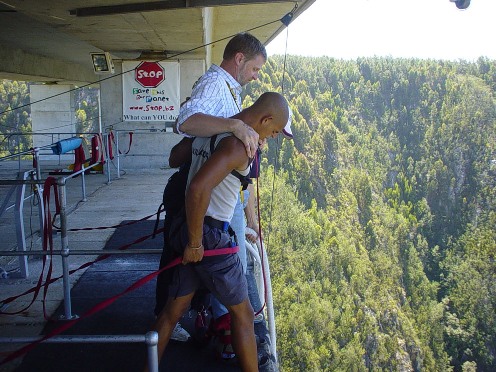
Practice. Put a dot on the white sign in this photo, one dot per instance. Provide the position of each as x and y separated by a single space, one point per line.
150 91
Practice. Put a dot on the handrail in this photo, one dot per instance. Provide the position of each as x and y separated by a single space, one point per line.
27 152
118 154
19 185
150 339
267 290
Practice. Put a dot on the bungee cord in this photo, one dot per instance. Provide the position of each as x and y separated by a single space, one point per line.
276 164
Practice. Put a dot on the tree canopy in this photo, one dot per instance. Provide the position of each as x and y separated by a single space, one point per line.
380 228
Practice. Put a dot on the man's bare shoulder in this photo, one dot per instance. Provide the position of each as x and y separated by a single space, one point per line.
231 142
233 147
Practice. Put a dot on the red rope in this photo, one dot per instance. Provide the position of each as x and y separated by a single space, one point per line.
261 243
47 241
112 139
46 235
83 266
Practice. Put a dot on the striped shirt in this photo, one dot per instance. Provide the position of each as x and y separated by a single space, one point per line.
212 96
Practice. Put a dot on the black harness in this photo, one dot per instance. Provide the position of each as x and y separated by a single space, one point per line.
245 180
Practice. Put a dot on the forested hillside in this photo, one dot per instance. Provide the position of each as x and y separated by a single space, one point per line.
380 216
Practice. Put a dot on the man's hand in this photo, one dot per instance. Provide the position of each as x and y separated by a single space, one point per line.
251 233
248 136
192 254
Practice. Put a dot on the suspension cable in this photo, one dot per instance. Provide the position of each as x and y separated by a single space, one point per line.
276 163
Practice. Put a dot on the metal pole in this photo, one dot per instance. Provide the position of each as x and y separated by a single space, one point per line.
151 339
18 150
89 252
117 154
83 183
107 160
106 140
270 305
19 223
37 161
67 290
99 112
65 251
39 190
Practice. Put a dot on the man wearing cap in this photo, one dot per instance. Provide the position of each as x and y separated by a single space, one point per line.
211 196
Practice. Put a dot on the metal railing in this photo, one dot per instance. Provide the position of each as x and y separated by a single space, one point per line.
119 133
18 186
51 139
150 339
261 271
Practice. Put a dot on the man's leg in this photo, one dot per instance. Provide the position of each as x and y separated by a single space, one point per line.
218 309
162 287
238 225
167 319
243 335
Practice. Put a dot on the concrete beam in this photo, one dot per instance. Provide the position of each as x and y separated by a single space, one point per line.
16 64
159 5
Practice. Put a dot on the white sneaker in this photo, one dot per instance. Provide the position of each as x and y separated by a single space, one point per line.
180 334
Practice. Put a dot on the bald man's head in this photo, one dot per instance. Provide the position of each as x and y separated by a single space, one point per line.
268 115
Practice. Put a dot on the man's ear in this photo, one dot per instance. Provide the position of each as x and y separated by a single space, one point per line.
238 57
267 119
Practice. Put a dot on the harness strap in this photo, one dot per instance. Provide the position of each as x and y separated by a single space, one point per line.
245 180
216 224
112 139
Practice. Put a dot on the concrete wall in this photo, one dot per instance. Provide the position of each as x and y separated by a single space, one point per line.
52 116
191 70
152 141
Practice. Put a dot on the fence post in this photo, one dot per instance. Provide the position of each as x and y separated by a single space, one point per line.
151 339
39 189
19 222
117 154
65 251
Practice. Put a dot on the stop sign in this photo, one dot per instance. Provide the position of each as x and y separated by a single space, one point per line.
149 74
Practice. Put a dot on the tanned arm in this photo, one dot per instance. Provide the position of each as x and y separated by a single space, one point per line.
251 214
202 125
180 153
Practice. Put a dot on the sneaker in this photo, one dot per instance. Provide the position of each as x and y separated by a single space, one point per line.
225 351
180 334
